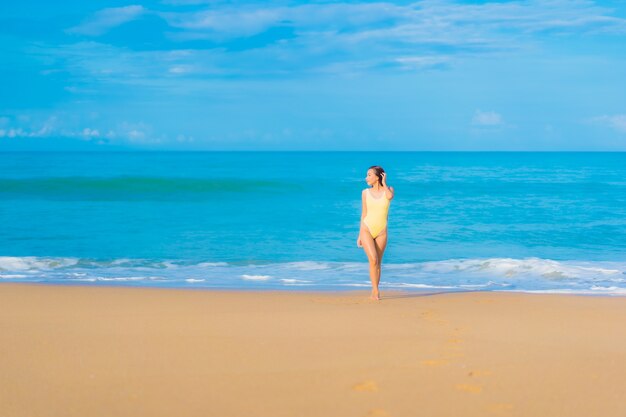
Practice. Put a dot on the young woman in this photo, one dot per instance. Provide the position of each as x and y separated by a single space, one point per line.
373 232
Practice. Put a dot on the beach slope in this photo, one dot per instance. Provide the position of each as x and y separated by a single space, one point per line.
112 351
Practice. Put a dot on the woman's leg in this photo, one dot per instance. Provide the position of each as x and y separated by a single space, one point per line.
372 256
380 243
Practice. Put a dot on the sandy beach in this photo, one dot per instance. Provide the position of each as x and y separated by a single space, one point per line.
113 351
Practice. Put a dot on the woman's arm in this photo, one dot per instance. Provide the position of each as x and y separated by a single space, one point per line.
363 214
363 208
388 190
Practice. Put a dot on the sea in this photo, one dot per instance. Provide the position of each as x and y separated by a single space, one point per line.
546 222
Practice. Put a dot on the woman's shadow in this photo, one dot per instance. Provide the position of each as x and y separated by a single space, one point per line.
425 294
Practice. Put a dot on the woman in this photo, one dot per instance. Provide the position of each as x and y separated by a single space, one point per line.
373 233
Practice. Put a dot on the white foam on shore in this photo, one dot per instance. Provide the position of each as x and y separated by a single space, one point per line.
256 277
611 290
307 265
293 280
526 275
211 264
508 267
408 285
13 263
121 278
12 276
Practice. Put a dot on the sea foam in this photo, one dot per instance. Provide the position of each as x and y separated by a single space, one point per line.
485 274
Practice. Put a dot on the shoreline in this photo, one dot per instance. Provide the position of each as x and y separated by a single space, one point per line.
76 350
529 274
300 289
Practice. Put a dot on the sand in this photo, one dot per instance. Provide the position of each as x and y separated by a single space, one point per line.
112 351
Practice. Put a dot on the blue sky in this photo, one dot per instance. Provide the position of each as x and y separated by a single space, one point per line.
215 75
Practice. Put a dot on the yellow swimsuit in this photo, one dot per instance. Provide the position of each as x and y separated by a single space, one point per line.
377 209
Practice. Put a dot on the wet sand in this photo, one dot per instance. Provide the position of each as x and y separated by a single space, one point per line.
111 351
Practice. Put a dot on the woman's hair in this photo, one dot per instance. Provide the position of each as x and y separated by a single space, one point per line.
378 170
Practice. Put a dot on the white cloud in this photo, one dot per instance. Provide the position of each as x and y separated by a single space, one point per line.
227 24
88 133
11 133
139 133
487 118
65 125
617 122
428 19
188 2
47 128
182 138
421 62
180 69
136 135
106 19
346 38
240 21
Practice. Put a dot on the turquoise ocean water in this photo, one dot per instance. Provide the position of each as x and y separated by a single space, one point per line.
512 221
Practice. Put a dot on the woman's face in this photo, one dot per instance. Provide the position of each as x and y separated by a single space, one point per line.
371 177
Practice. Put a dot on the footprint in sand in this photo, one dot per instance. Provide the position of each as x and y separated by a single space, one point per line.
434 362
452 355
499 407
365 386
432 316
474 389
337 301
453 348
378 412
478 372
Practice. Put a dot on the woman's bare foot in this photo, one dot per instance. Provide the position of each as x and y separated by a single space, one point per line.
375 296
